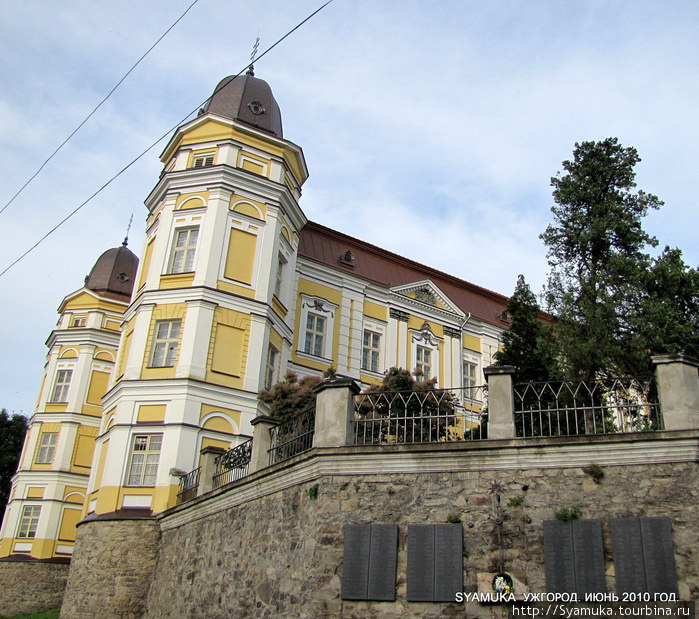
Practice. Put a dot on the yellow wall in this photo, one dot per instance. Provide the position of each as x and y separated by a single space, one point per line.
471 342
147 255
84 449
240 258
228 348
151 412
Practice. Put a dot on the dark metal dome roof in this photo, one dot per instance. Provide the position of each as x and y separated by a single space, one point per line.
114 271
247 99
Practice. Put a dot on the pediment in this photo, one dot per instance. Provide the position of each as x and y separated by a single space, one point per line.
425 294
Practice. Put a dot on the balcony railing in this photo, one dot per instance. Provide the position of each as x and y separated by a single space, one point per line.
189 485
233 464
429 416
292 436
602 406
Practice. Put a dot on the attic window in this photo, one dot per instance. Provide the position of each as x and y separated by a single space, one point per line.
203 161
347 257
504 315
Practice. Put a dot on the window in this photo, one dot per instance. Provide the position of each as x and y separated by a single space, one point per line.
29 521
182 259
165 338
271 368
203 161
60 389
470 370
423 361
281 263
370 351
315 335
78 321
316 324
47 447
144 459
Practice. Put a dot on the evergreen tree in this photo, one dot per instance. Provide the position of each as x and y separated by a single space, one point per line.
597 254
12 431
528 344
668 320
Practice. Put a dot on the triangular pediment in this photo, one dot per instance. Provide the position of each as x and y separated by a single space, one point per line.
425 294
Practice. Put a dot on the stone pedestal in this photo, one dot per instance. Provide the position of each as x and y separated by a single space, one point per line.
501 423
335 413
678 389
261 441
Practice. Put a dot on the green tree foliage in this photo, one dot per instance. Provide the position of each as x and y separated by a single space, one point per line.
668 317
597 254
290 396
12 431
405 408
528 344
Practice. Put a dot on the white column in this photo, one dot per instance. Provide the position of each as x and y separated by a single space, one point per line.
213 238
195 340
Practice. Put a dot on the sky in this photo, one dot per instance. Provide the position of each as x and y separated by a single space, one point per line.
431 129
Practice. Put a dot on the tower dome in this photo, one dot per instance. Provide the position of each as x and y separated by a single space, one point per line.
247 99
114 272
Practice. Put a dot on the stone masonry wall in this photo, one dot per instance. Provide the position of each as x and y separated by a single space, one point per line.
111 570
31 586
281 554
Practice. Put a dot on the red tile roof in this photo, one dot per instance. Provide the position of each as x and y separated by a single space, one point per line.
372 263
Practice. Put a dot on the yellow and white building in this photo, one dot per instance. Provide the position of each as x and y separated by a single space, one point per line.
235 286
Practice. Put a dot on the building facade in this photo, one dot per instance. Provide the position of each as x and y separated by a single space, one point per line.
234 288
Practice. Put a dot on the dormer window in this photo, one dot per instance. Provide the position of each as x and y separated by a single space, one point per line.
203 161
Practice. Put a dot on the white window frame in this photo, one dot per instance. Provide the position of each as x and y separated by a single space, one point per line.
377 329
425 339
165 342
470 360
322 308
204 160
61 385
282 263
149 446
29 521
188 251
271 366
47 448
78 322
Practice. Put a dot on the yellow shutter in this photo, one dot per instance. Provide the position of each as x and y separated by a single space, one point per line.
228 349
241 256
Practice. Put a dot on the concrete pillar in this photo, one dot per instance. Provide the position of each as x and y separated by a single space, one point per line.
678 390
501 423
335 413
261 441
208 468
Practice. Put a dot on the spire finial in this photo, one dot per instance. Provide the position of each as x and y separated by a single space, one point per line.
251 67
128 228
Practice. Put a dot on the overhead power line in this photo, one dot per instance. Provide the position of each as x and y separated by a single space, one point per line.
97 107
162 137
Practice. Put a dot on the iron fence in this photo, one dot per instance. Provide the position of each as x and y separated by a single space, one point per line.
428 416
292 436
602 406
189 484
233 464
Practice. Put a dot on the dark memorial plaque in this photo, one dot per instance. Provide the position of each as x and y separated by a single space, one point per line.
589 557
629 565
355 567
449 562
383 559
421 554
559 559
659 555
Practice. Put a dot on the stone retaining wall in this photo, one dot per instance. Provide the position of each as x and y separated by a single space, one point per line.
281 553
31 586
112 569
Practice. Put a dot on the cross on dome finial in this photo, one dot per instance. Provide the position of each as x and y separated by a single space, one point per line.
251 67
128 228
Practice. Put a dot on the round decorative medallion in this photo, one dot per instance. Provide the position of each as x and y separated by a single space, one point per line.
256 108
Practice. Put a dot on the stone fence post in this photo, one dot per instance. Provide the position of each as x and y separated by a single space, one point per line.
678 390
208 468
501 422
335 413
261 441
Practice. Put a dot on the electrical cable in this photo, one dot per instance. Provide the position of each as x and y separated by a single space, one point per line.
97 107
154 144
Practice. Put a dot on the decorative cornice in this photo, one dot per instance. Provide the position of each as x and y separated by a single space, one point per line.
397 314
